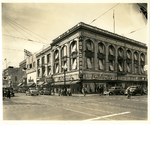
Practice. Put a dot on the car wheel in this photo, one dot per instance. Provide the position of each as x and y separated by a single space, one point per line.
110 93
133 94
142 93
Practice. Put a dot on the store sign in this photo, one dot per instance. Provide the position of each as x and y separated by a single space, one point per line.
67 78
103 77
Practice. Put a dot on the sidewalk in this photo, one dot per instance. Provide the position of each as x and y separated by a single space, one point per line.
56 94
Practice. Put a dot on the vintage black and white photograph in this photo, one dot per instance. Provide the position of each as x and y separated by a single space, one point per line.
84 62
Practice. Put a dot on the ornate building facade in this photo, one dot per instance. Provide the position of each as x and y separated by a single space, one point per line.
88 56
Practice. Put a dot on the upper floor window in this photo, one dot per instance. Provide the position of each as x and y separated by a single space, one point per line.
48 58
43 60
15 78
38 62
111 58
73 56
89 54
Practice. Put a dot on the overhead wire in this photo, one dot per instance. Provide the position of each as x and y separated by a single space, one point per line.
27 29
16 30
12 22
105 13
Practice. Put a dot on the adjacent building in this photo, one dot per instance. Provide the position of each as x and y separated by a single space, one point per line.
11 76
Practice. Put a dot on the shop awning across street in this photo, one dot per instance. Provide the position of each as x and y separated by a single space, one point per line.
30 84
40 83
20 84
66 83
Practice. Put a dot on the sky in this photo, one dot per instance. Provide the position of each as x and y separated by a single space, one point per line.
30 26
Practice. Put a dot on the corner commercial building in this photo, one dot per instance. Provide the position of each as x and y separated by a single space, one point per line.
91 57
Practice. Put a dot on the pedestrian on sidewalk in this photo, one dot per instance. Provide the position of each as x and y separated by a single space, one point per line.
100 90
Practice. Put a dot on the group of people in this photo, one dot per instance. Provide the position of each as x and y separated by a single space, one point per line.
64 92
6 93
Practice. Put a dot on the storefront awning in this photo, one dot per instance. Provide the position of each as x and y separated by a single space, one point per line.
66 83
30 84
40 83
20 84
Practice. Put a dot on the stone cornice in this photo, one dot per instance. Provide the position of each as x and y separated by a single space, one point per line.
96 30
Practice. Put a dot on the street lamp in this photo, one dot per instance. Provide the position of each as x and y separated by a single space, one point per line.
64 69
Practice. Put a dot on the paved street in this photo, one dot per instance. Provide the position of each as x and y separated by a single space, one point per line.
75 108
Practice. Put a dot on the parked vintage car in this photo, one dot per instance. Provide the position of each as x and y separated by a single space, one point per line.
32 91
12 94
46 92
135 90
114 91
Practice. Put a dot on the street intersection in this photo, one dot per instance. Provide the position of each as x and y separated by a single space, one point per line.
75 108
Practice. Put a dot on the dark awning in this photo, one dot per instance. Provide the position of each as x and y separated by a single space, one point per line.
20 84
66 83
30 84
40 83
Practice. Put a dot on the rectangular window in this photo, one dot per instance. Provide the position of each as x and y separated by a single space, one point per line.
57 68
43 71
56 56
43 60
38 72
101 49
111 52
101 67
142 69
74 63
128 68
38 62
89 63
48 58
15 78
135 57
30 65
33 64
120 68
48 70
73 48
111 65
128 55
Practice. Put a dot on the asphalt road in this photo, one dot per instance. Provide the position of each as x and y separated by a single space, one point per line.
75 108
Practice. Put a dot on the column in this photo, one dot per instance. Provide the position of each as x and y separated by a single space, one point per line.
84 58
78 54
68 57
106 59
52 62
125 57
139 69
95 55
46 65
132 61
116 58
41 66
60 67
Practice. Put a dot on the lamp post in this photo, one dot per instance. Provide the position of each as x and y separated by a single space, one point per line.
64 69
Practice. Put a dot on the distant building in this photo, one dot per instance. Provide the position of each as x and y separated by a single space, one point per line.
11 76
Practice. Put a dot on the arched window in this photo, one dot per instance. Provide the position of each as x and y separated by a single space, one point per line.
120 60
101 56
142 59
56 61
111 57
129 61
136 62
89 54
64 57
73 55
